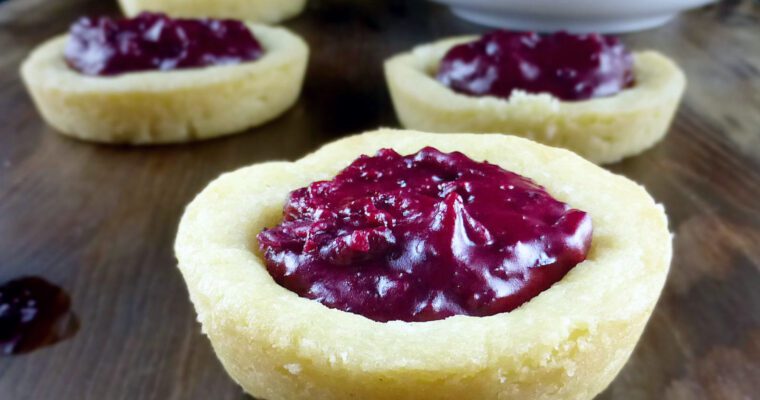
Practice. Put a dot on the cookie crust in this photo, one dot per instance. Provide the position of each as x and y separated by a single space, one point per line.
569 342
264 11
603 130
167 106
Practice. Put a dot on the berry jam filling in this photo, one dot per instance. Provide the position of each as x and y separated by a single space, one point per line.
568 66
33 313
108 46
424 237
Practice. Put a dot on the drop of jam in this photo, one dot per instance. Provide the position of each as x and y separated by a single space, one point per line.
424 237
152 41
33 313
568 66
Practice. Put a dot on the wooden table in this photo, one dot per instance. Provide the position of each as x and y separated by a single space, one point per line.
100 221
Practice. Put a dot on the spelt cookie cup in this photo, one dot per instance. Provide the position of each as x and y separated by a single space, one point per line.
264 11
569 342
167 106
602 130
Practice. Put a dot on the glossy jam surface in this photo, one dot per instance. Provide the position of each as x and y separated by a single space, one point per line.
424 237
109 46
33 313
568 66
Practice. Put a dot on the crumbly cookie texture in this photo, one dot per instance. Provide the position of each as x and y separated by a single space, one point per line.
569 342
167 106
603 130
264 11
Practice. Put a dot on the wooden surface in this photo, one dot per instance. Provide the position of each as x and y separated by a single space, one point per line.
100 221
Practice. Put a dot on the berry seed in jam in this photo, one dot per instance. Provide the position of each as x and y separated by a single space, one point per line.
108 46
568 66
33 313
424 237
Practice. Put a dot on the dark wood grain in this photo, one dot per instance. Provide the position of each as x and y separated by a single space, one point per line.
100 221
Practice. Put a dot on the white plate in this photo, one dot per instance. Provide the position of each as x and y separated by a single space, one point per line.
606 16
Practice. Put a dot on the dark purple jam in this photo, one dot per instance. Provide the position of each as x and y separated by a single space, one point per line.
33 313
109 46
568 66
424 237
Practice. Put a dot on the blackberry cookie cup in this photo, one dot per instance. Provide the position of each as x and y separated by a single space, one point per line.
602 130
264 11
568 342
154 107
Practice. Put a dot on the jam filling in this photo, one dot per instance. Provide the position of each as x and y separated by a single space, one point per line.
568 66
104 46
424 237
33 313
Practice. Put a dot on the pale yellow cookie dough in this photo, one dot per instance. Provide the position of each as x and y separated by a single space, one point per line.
602 130
264 11
569 342
167 106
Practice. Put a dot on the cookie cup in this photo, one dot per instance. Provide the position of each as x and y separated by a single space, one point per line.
569 342
167 106
264 11
602 130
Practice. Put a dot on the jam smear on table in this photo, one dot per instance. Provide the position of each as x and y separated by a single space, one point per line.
33 313
567 66
104 46
424 237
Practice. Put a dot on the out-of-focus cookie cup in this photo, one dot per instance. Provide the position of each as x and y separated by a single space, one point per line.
167 106
568 342
264 11
602 130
